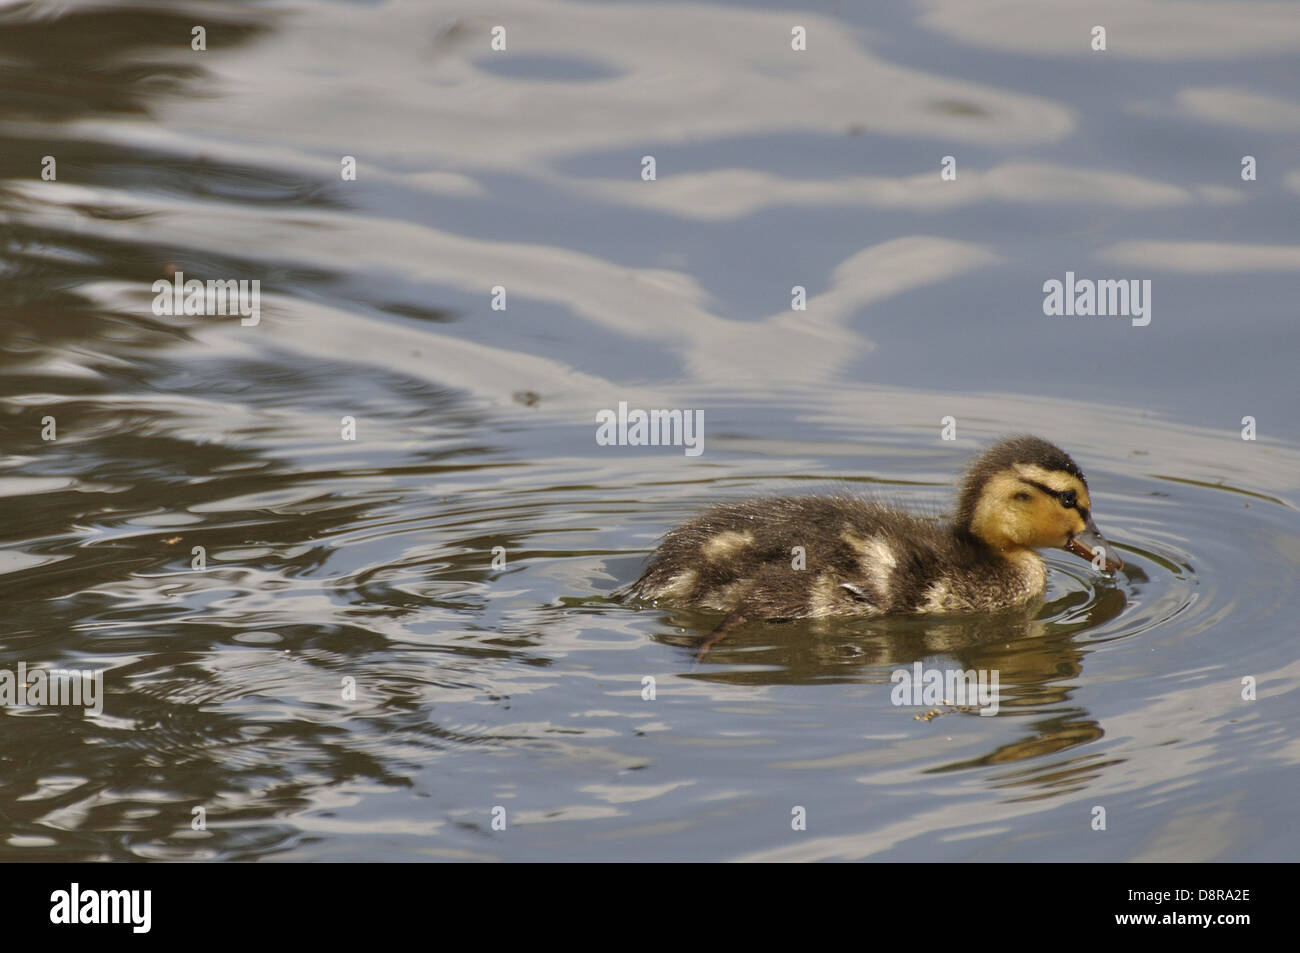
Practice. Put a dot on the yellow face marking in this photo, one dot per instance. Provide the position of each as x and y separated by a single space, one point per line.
1012 514
1058 480
726 544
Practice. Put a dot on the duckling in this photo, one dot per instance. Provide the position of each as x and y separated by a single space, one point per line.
825 556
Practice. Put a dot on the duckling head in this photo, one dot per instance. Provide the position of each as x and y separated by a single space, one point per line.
1025 493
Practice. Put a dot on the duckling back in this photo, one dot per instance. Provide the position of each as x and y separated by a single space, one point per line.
809 557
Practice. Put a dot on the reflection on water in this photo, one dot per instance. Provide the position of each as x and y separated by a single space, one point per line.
1034 652
380 639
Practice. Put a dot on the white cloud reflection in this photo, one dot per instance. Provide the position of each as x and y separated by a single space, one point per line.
1204 257
683 73
1155 30
1244 108
722 194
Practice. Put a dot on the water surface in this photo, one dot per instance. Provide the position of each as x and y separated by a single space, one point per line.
366 566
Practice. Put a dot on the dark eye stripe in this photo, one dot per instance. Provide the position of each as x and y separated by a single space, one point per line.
1058 496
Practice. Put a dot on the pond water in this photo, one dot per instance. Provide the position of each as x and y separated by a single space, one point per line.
404 628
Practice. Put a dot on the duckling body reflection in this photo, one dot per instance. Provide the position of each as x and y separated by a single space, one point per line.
861 558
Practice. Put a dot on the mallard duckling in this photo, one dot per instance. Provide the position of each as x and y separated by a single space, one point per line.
811 557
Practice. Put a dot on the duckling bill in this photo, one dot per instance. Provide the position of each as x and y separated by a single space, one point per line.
863 559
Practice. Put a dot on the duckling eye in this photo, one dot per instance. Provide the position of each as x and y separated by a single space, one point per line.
1069 498
1022 495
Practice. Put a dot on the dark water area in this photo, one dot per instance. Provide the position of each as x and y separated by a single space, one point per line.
400 622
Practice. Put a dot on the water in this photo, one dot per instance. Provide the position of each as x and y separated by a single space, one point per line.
339 568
